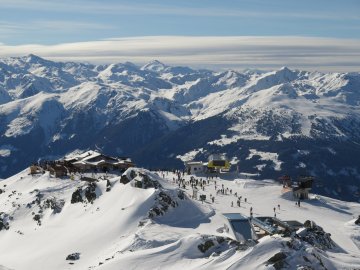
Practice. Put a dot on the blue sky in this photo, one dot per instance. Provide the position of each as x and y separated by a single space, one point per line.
49 23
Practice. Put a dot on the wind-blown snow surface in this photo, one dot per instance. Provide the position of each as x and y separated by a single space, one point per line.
115 231
136 111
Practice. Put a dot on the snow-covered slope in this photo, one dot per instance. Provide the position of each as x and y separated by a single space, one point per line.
111 225
125 109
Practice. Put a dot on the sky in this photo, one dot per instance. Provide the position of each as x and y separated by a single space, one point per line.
315 35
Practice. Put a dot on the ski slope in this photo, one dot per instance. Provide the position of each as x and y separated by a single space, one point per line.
116 232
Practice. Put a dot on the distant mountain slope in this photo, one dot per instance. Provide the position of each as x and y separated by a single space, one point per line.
309 121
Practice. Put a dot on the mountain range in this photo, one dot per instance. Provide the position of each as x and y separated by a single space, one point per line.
143 220
268 123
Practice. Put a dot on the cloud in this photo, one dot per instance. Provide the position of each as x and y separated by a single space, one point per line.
237 52
104 7
18 28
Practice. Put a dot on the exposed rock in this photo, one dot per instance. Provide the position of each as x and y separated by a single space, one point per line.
124 180
309 224
278 260
144 181
139 179
54 204
76 196
142 223
316 236
37 218
4 221
217 244
206 246
163 202
73 256
357 222
90 192
132 174
108 185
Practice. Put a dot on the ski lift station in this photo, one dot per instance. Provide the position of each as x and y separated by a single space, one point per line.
302 187
216 163
239 227
242 228
194 167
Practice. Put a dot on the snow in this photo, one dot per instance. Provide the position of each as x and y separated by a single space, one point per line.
225 140
45 94
189 156
107 233
274 157
155 66
5 150
122 90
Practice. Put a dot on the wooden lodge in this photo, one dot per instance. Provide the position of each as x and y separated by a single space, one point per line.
302 187
285 180
58 170
96 161
84 162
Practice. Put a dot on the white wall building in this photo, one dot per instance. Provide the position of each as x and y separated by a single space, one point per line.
194 167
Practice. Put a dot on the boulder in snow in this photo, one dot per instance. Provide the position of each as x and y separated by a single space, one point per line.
73 256
278 260
357 222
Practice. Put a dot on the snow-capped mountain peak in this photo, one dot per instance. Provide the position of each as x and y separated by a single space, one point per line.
132 110
155 66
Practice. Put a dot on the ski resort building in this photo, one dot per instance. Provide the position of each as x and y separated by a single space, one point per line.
218 163
272 225
239 227
87 161
302 187
93 160
58 170
194 167
285 180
